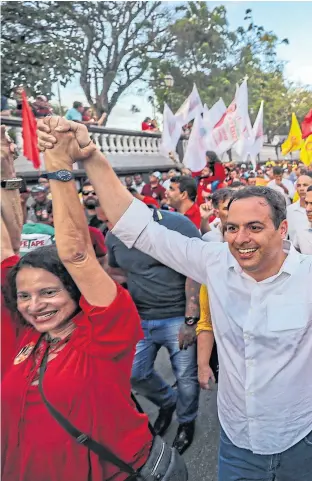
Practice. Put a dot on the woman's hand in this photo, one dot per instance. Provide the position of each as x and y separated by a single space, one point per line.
74 146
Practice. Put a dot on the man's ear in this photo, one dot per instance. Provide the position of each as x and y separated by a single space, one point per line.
283 228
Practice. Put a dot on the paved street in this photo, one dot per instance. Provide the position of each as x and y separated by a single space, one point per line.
201 457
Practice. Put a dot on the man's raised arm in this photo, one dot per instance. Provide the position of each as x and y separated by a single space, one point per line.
133 221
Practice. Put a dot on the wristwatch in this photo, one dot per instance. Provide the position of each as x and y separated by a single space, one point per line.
62 175
11 184
191 320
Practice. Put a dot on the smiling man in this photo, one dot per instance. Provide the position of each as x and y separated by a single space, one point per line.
261 313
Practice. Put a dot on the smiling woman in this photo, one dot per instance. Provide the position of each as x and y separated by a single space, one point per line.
70 378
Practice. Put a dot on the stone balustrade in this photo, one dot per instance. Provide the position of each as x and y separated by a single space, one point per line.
128 151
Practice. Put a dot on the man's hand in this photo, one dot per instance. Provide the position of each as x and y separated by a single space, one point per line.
187 336
205 211
205 374
69 141
7 155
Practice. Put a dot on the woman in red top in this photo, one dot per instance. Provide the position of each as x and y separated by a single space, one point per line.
90 327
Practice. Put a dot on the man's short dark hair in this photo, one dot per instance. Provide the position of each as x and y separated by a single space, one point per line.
309 189
278 171
251 175
237 183
77 104
275 200
221 195
87 183
186 184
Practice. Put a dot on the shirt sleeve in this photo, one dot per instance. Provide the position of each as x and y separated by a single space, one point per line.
98 241
204 323
190 257
112 262
108 332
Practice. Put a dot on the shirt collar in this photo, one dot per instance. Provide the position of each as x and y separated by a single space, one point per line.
289 265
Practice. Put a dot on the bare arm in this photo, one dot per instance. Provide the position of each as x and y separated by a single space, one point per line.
192 289
6 246
71 230
205 340
11 210
133 221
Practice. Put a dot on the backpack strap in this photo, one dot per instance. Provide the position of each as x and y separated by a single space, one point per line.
81 437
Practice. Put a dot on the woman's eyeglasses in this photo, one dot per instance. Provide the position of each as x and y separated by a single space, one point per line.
89 192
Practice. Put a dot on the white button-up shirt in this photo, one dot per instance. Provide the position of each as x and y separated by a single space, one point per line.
289 186
297 219
263 332
303 241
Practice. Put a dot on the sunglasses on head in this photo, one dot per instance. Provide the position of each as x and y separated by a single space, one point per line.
87 192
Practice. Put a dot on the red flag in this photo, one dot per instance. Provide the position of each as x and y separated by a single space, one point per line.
30 139
306 126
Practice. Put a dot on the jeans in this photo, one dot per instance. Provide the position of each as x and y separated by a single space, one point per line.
146 381
237 464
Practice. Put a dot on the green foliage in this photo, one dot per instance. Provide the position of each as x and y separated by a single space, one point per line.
207 52
109 45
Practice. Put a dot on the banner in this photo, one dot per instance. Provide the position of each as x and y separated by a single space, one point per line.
190 107
294 139
235 124
171 133
195 153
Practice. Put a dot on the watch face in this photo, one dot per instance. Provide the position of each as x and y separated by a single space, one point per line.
190 322
64 175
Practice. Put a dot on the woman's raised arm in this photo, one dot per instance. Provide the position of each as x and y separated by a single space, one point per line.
71 230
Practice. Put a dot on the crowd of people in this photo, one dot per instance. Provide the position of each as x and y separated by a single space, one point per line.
215 266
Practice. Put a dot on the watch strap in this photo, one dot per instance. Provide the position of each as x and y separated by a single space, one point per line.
62 175
191 320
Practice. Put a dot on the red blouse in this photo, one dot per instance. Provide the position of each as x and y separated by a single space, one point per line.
89 383
10 329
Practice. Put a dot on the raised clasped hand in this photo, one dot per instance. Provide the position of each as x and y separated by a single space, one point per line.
63 139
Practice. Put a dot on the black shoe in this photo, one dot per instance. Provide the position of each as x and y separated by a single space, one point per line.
163 421
184 437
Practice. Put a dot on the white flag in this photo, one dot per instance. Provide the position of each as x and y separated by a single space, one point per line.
195 153
235 123
213 116
172 129
190 107
257 139
243 121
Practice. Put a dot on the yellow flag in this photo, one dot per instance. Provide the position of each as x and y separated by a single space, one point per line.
294 139
306 151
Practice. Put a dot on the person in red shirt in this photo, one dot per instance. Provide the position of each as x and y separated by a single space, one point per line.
83 328
147 124
154 189
181 195
144 198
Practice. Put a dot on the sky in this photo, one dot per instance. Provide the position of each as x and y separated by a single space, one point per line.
290 20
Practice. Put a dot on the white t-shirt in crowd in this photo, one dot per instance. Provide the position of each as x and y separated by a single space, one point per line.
303 241
288 184
297 219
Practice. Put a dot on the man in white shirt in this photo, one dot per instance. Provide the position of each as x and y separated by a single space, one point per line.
213 232
260 299
303 236
296 213
283 186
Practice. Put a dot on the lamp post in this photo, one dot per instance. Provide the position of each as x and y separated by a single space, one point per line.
169 83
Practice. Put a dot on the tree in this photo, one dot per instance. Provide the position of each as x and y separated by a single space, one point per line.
33 53
109 45
204 50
